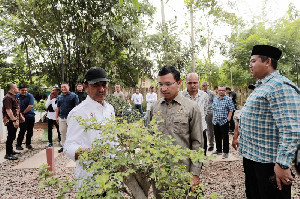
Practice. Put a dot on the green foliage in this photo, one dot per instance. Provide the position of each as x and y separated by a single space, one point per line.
68 37
37 91
128 151
40 106
122 109
283 34
136 150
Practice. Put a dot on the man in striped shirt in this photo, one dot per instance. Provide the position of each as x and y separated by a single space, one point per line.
269 128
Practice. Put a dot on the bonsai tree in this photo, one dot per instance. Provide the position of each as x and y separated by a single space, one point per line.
128 159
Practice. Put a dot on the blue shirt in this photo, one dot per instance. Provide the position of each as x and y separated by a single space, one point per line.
221 108
269 124
25 101
66 103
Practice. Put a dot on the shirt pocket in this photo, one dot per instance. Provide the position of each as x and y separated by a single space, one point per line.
181 125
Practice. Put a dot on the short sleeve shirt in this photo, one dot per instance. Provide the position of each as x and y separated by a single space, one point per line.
25 101
66 103
10 102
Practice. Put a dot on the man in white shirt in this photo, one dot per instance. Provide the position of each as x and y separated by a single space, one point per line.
151 97
137 99
51 105
96 85
194 93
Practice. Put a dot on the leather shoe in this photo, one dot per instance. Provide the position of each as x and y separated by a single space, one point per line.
10 157
60 150
29 146
16 153
210 148
217 153
19 148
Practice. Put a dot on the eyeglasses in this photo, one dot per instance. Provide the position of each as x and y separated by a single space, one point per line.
168 84
190 83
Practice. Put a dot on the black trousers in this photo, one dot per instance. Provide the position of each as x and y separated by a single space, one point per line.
26 127
231 123
258 185
205 141
11 136
222 137
139 107
50 125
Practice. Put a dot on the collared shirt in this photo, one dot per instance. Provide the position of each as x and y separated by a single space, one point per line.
221 108
81 96
53 103
211 97
10 102
202 101
150 99
119 95
180 119
66 103
270 121
137 98
76 135
25 101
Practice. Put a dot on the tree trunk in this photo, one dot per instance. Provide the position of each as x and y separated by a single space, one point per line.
135 188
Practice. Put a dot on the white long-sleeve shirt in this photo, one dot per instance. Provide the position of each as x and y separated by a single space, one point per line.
150 99
53 102
76 137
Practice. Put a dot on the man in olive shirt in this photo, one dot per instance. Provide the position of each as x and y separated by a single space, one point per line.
181 117
118 93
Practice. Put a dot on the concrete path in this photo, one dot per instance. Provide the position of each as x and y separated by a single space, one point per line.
36 161
219 157
71 164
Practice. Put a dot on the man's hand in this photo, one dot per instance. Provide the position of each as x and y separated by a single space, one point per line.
235 142
16 124
195 181
52 95
283 175
57 120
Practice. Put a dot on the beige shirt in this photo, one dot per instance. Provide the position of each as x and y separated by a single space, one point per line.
182 120
119 94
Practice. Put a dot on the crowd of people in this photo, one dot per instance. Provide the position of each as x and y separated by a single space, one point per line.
266 133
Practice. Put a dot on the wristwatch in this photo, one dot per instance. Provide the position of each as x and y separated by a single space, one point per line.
282 166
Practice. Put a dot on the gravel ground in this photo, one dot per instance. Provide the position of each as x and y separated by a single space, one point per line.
224 178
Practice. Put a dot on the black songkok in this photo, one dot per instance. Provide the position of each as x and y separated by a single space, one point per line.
267 50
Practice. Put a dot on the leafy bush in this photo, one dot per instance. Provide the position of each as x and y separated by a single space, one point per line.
40 106
37 91
140 157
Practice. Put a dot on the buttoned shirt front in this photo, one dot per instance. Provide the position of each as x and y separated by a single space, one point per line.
150 99
211 97
221 108
10 102
180 119
137 98
269 124
25 101
66 103
76 137
202 100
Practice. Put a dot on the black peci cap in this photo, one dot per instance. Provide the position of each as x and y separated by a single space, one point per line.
151 86
266 50
95 74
